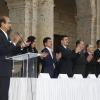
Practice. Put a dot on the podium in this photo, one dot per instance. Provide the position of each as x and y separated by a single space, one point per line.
25 64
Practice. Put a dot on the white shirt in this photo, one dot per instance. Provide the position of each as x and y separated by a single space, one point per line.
50 51
65 47
5 34
98 48
7 37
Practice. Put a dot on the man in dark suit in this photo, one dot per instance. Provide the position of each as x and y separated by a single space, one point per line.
48 61
7 48
64 58
97 58
79 60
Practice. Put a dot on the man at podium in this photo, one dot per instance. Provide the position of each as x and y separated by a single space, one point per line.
7 48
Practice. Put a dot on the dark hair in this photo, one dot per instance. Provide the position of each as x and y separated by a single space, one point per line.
45 40
2 20
78 42
98 41
87 45
62 37
31 39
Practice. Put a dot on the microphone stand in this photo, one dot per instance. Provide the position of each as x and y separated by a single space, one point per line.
27 62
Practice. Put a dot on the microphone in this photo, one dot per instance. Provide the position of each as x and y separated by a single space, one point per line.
21 38
23 42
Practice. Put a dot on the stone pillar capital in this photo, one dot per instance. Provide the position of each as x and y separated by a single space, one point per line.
47 2
15 3
35 3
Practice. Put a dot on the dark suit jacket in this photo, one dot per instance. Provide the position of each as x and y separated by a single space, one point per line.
64 66
90 66
29 49
6 49
47 63
79 63
96 57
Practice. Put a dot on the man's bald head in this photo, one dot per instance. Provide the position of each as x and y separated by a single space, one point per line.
3 20
5 23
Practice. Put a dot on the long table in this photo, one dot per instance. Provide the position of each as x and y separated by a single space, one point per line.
54 89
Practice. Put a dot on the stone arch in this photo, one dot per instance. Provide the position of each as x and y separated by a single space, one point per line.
83 25
65 19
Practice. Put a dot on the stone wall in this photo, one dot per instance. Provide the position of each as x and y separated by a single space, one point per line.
83 18
98 19
75 18
3 8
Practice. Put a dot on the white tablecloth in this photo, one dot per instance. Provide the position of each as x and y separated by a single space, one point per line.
54 89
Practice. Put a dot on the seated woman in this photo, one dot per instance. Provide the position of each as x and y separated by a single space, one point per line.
31 47
90 66
32 63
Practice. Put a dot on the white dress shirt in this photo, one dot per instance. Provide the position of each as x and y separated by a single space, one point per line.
7 37
5 33
99 49
50 51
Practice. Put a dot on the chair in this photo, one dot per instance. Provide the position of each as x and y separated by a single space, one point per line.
63 76
44 75
78 76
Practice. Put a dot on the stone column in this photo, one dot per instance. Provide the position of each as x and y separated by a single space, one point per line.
45 26
34 17
17 15
28 17
83 20
31 7
93 21
98 20
21 14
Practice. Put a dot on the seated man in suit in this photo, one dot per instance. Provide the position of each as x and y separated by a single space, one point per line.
47 61
7 48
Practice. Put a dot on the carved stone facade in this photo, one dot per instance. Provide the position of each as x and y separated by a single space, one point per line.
98 20
32 17
79 19
45 23
86 18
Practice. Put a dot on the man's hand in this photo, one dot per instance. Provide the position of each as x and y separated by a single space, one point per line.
26 44
78 50
98 60
16 38
43 55
58 56
89 58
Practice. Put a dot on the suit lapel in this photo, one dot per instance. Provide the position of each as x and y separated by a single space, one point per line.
3 35
48 52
